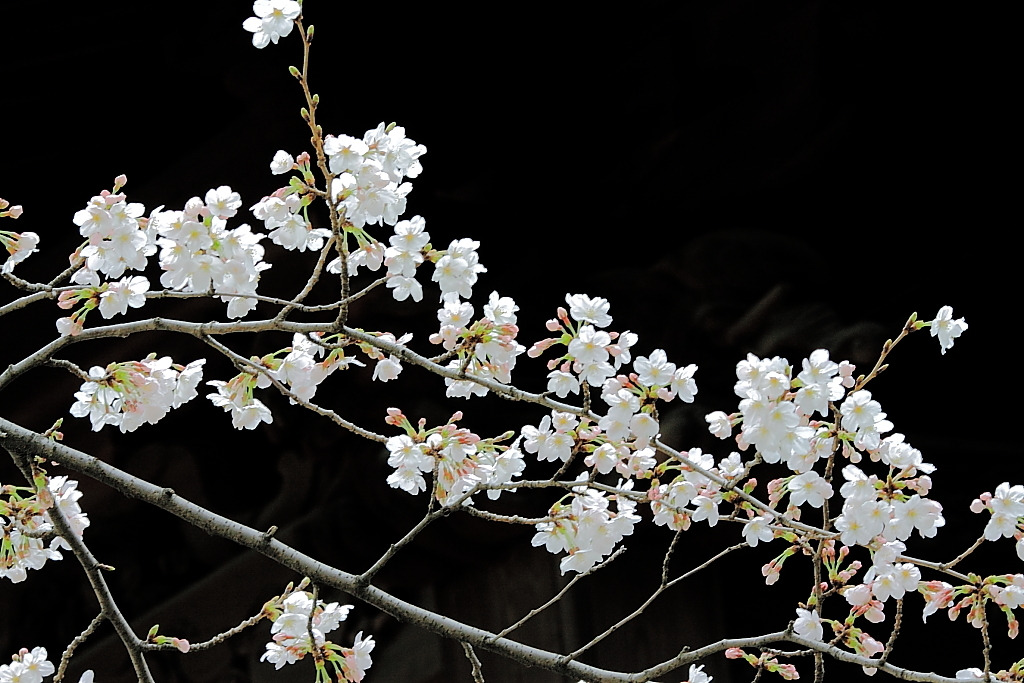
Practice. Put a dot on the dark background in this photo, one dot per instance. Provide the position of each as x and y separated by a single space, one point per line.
733 176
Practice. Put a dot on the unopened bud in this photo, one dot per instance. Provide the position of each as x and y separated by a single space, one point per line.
309 33
120 181
295 72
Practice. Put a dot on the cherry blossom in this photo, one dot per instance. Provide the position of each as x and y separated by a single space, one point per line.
946 328
274 19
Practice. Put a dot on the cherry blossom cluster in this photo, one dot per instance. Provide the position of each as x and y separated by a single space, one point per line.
589 349
486 348
370 172
285 218
458 460
199 254
136 392
300 629
692 487
585 527
24 519
117 240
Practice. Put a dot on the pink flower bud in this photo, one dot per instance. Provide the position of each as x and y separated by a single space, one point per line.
976 505
120 181
553 325
15 211
181 644
734 653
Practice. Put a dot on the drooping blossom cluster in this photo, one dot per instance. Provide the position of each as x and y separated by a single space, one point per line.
585 527
24 517
236 396
457 459
294 635
136 392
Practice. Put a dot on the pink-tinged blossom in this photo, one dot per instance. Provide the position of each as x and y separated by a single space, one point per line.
946 328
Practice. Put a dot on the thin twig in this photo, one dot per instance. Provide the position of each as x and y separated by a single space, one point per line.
474 661
70 367
65 658
986 642
962 556
314 278
661 589
895 632
534 612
